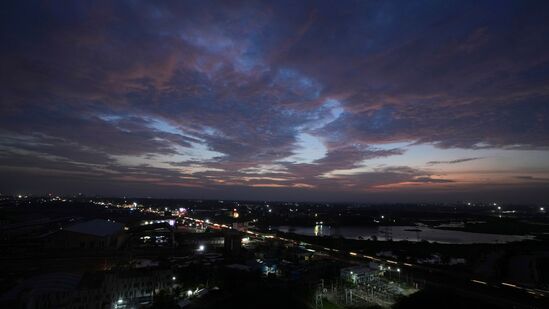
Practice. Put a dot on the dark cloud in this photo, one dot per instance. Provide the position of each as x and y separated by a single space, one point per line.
532 178
431 180
453 161
230 95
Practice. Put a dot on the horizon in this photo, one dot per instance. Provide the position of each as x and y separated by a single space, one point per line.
130 198
348 102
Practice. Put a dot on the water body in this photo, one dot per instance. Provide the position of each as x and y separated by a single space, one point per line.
398 233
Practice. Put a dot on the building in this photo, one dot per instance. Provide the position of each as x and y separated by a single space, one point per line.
201 240
152 235
93 234
358 274
103 290
233 242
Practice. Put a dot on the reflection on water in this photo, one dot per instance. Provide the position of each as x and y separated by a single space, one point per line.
318 230
397 233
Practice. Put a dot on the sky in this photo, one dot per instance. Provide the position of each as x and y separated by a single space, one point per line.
367 101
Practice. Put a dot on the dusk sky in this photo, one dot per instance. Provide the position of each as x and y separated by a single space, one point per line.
379 101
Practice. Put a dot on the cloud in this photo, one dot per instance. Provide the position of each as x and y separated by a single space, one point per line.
532 178
232 96
431 180
453 161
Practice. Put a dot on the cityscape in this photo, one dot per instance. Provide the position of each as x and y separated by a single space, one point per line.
274 154
92 252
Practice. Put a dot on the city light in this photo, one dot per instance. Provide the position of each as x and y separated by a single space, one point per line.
480 282
509 284
201 248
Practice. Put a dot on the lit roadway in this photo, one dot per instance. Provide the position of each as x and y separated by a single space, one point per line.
495 292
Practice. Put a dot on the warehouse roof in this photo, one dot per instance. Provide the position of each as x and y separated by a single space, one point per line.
96 227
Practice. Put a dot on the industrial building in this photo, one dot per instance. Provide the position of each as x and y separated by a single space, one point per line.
93 234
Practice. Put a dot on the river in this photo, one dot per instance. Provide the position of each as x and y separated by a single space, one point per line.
398 233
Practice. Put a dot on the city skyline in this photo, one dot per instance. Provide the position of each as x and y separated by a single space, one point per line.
387 101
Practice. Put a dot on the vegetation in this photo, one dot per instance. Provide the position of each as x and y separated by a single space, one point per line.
505 226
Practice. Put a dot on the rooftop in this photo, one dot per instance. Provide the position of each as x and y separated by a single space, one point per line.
96 227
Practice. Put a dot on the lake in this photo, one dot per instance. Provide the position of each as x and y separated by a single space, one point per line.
398 233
